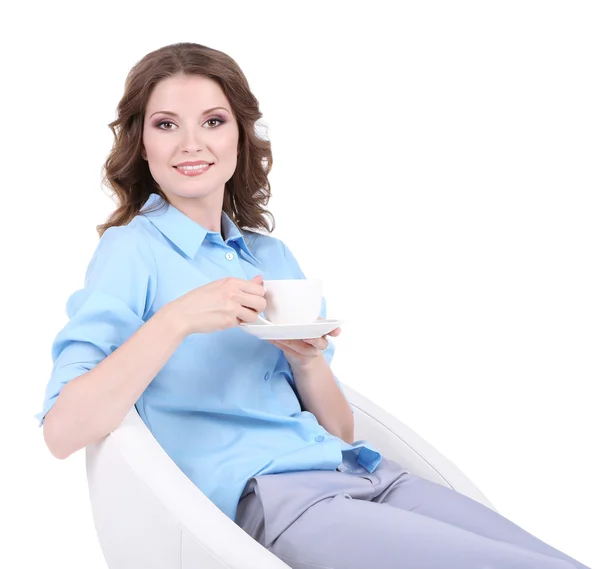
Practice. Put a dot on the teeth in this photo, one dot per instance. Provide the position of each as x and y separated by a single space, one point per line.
199 167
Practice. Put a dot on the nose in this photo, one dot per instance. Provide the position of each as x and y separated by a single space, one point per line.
191 140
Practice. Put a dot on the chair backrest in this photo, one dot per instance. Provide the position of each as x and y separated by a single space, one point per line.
398 442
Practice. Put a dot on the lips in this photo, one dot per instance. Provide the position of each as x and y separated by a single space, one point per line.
193 163
193 169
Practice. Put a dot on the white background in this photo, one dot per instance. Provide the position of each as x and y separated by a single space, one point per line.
437 166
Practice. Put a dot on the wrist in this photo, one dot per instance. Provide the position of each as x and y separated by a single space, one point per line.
174 322
306 366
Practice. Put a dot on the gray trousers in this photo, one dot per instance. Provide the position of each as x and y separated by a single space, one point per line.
388 519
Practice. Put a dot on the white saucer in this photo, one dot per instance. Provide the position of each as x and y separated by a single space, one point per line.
291 331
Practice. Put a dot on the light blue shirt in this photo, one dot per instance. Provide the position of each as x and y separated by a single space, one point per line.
224 406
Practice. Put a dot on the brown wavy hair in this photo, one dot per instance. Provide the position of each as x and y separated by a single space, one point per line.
127 174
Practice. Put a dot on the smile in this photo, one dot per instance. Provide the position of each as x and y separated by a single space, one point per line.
193 170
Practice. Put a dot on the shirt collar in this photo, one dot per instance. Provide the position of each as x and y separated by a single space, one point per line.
186 233
233 233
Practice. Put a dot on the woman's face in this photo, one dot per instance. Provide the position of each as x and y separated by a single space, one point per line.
184 132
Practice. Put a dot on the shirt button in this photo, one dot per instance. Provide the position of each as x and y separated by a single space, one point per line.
320 439
267 376
229 255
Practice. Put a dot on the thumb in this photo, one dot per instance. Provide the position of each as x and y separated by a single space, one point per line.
257 279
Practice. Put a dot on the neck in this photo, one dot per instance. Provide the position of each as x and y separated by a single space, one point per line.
205 211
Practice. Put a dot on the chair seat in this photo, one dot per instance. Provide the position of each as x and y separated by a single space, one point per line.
149 515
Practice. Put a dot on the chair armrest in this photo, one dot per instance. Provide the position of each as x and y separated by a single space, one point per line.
398 442
149 515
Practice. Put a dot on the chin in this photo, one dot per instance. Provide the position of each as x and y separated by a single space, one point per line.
178 186
190 192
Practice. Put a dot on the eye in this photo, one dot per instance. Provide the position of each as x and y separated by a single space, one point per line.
169 125
220 121
162 123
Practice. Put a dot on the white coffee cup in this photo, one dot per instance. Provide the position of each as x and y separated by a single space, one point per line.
293 301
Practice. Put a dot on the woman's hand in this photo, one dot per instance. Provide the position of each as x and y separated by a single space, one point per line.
220 305
300 353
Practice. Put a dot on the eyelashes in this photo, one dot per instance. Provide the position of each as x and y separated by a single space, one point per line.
160 124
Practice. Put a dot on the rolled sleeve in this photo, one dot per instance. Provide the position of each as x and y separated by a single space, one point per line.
117 295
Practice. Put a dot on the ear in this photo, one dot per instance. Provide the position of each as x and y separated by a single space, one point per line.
143 153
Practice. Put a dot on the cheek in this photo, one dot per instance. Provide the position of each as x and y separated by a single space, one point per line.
158 144
152 146
229 144
147 146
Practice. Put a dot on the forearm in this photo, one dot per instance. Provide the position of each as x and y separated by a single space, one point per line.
321 395
94 404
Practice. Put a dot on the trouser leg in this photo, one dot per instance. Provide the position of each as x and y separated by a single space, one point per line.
343 533
421 496
328 520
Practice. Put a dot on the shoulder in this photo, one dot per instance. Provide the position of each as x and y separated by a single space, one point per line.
120 277
130 235
123 247
127 239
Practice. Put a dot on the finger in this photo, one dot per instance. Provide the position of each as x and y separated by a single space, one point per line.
253 286
285 349
298 348
252 301
289 345
285 345
246 315
319 343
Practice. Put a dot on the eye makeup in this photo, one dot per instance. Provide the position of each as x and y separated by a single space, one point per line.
158 123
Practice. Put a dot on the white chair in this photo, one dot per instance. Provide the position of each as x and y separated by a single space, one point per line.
149 515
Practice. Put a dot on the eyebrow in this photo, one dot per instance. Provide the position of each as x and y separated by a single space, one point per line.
171 114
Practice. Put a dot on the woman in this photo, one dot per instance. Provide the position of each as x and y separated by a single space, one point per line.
262 428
